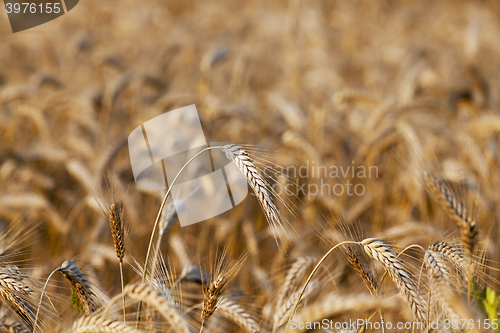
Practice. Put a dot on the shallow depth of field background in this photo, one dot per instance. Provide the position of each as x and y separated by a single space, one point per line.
331 82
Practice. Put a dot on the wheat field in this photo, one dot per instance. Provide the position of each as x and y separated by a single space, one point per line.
368 133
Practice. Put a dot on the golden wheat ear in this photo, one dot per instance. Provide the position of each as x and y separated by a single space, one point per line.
15 293
143 292
456 210
259 185
439 275
393 265
84 297
116 224
99 324
233 311
222 274
14 327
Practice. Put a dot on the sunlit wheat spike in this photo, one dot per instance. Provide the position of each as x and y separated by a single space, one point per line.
457 212
212 296
80 286
361 268
436 266
14 328
234 312
11 278
23 310
450 252
282 313
223 273
99 324
115 219
254 178
13 289
292 276
393 265
439 274
155 298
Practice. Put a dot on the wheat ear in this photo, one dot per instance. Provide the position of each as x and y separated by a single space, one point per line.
393 265
243 162
212 294
294 274
457 212
99 324
234 312
115 219
361 268
241 158
143 292
14 328
450 252
13 289
286 309
80 286
439 275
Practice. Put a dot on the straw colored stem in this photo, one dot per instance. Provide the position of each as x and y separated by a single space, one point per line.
158 219
311 276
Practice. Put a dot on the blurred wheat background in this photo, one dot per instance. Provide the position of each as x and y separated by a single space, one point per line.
406 86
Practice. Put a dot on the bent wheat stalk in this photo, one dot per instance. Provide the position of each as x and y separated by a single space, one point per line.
41 298
382 253
240 157
312 274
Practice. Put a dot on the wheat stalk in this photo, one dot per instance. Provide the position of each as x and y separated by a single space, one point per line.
240 158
